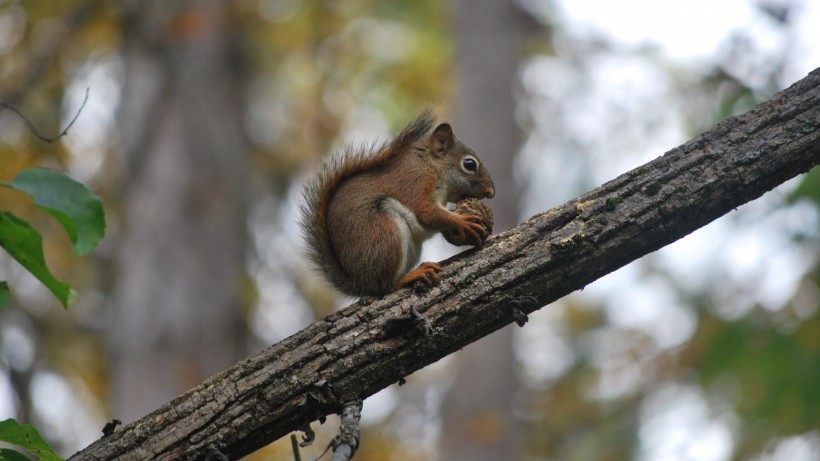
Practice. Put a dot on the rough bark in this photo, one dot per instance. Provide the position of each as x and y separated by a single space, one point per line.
359 350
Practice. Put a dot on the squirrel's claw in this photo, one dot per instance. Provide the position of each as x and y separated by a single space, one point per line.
473 226
426 273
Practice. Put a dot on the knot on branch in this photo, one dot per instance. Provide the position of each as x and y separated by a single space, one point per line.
519 305
411 323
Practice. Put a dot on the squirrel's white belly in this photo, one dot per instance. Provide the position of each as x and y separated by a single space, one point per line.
413 234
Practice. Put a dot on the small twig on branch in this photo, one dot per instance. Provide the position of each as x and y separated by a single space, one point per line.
110 427
34 129
347 440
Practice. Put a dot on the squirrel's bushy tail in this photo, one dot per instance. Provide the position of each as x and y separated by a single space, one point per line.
320 189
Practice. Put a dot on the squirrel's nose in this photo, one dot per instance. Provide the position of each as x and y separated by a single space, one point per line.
491 192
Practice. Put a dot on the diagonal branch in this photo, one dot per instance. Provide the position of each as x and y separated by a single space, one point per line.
357 351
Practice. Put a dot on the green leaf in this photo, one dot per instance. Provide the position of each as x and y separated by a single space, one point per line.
24 244
78 209
27 437
4 293
7 454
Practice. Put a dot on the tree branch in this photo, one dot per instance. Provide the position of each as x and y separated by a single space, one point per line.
354 353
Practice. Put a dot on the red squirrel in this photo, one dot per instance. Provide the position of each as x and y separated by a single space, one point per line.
366 214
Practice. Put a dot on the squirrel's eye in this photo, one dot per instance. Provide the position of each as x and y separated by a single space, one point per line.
469 164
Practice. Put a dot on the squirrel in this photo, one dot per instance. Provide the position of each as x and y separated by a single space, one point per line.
367 212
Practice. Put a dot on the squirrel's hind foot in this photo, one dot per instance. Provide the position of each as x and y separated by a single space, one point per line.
426 273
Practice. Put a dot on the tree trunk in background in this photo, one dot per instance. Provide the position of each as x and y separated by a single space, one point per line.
477 411
176 301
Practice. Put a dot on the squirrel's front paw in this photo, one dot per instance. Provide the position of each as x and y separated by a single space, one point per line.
475 223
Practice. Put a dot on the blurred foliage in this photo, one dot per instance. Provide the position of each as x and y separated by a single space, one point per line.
809 187
320 74
313 64
776 372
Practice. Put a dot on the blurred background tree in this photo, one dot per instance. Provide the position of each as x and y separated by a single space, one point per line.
204 117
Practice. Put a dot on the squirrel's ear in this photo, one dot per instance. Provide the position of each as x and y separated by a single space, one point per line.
443 138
